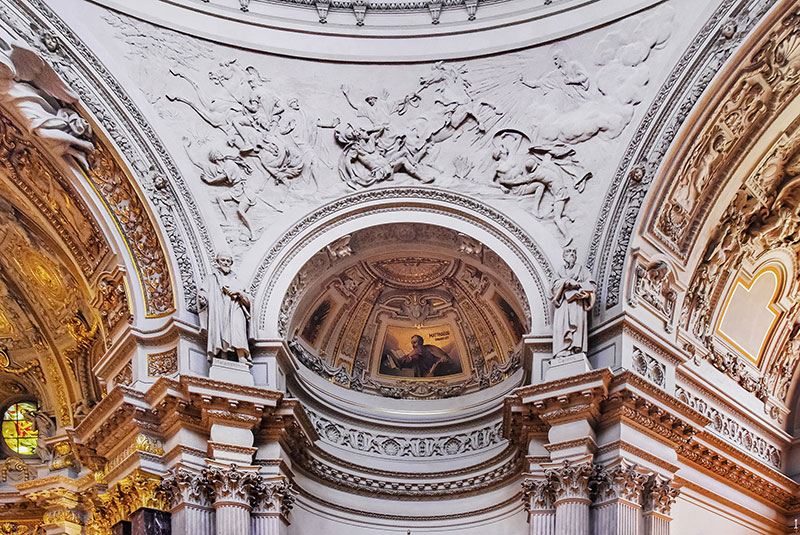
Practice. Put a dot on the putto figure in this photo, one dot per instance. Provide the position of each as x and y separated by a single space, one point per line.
573 294
225 313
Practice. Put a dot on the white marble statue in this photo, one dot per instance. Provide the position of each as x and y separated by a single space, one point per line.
31 90
573 294
225 313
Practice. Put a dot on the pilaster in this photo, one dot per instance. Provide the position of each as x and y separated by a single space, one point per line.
537 497
659 495
232 493
272 500
617 496
570 484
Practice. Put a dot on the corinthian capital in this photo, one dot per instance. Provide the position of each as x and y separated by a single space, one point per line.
570 481
622 481
184 487
537 494
269 496
232 484
659 495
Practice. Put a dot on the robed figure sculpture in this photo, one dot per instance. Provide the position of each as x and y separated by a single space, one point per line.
573 295
225 313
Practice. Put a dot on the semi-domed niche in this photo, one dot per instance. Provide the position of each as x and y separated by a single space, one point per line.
408 310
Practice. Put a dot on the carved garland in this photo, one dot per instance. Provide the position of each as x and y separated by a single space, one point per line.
404 446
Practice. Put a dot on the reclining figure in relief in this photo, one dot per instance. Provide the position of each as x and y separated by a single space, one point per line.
33 92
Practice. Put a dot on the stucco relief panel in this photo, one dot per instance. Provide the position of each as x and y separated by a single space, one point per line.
270 137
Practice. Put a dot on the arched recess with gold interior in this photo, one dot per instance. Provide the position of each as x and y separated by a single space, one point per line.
723 215
82 268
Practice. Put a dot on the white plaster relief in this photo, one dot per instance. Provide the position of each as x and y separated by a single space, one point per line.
732 431
448 445
486 127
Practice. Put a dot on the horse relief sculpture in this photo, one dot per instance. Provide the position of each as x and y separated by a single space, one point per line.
32 91
389 138
269 148
488 128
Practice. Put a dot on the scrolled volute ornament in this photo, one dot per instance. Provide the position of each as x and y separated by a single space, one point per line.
537 495
570 481
622 481
232 484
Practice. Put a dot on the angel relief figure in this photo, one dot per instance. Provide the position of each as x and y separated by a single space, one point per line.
546 175
33 91
365 160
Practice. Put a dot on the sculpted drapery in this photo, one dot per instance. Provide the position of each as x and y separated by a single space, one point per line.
573 294
225 313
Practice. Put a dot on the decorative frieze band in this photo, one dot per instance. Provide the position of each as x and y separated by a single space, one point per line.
405 446
732 431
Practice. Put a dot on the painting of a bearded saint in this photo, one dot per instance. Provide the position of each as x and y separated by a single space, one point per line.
423 359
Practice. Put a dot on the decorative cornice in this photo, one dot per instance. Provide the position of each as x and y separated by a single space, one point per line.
732 430
783 497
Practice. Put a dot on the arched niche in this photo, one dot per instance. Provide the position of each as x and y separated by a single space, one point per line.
527 257
82 263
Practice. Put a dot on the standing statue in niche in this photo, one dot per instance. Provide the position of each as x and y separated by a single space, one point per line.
225 313
32 90
573 295
44 427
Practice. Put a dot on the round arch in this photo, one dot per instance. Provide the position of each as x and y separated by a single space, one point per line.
529 258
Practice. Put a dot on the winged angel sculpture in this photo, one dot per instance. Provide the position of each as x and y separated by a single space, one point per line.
33 92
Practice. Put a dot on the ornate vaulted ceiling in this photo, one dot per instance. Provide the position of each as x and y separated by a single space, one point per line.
367 295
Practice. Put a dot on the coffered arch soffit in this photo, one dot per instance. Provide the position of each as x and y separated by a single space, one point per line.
280 278
139 187
79 262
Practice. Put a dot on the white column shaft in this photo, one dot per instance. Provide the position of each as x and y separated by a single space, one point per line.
618 517
543 523
232 519
572 518
193 519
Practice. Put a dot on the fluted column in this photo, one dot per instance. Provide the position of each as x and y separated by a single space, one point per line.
537 495
190 497
272 501
617 496
570 483
659 495
232 494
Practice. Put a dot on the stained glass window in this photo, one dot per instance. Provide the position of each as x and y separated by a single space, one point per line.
18 433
